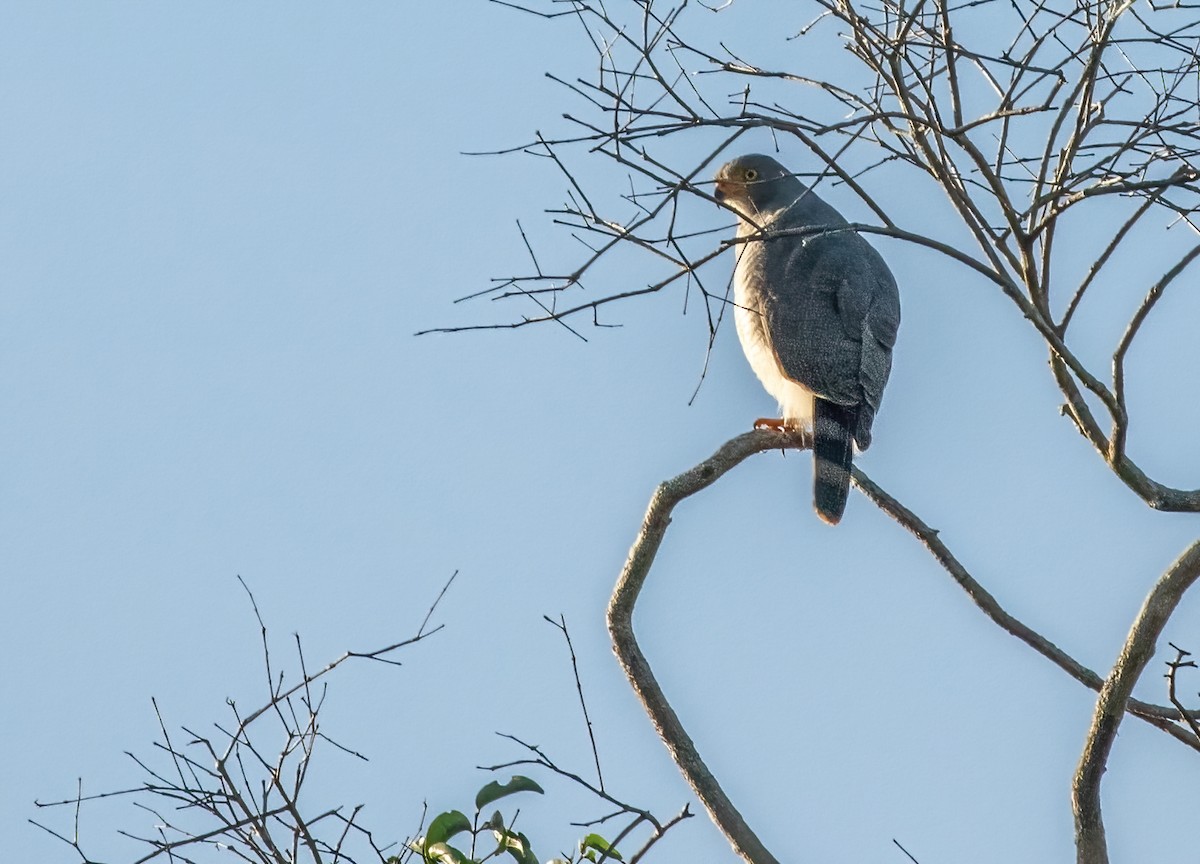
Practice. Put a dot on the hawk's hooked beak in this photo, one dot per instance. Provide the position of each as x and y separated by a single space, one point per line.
723 190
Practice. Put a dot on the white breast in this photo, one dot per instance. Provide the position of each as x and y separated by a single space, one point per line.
795 400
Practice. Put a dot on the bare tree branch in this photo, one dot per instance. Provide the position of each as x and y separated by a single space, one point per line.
620 625
1015 113
1139 647
637 668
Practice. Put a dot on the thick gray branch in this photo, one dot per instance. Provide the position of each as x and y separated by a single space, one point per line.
1090 845
620 625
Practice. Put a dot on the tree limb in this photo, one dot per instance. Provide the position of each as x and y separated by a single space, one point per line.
1090 844
723 812
620 626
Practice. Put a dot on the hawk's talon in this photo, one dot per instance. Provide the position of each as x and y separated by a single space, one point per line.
775 425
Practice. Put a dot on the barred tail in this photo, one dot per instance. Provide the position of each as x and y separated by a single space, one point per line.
833 452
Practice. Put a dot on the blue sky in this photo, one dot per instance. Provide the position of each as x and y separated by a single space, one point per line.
222 224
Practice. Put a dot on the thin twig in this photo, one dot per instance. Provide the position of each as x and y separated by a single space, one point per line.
561 624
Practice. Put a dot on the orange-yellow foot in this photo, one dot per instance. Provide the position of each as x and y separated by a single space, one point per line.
775 425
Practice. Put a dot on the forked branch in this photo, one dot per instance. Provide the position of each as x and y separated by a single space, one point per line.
722 810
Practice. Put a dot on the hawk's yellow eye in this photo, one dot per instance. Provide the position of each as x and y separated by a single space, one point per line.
751 175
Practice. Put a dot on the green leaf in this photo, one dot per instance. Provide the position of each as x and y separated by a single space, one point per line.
516 845
445 854
446 825
495 791
595 841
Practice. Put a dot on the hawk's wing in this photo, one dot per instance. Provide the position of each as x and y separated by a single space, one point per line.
832 313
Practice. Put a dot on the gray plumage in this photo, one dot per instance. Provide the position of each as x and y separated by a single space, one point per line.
816 311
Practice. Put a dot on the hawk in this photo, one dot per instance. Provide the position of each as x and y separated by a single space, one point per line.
816 310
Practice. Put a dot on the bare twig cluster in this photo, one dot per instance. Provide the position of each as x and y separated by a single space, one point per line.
1041 124
242 791
230 791
1172 676
634 818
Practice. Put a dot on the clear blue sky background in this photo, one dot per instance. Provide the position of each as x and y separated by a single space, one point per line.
221 225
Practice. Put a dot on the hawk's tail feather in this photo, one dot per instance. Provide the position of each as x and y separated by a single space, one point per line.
833 453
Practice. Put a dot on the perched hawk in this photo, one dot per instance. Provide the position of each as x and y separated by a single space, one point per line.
816 311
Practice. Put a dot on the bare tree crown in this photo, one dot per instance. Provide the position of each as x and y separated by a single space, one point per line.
1036 125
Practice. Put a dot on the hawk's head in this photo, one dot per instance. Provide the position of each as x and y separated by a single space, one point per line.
756 184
